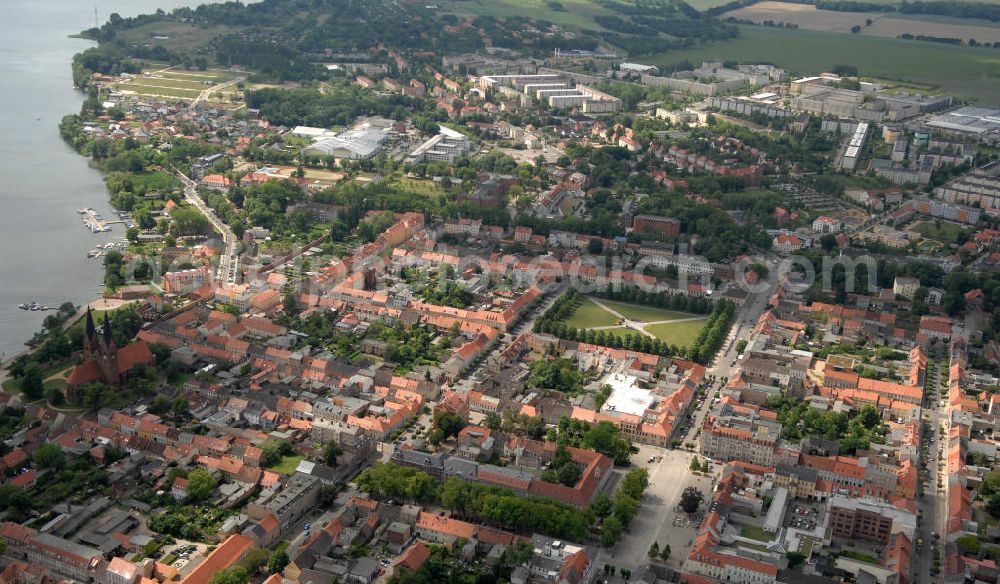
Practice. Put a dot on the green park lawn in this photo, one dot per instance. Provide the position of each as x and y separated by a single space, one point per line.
755 533
682 334
288 464
425 187
590 315
155 181
940 231
645 313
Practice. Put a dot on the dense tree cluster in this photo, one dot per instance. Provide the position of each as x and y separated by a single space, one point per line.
444 292
445 426
390 481
562 469
495 506
511 422
105 59
500 507
853 433
556 374
603 437
338 105
410 347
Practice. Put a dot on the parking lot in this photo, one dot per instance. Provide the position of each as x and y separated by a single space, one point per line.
803 516
185 556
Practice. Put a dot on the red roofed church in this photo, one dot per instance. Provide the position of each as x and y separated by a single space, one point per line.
103 361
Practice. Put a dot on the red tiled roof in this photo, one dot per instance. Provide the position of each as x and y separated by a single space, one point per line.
226 555
413 557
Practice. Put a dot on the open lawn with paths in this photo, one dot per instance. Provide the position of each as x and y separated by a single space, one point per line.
623 319
590 315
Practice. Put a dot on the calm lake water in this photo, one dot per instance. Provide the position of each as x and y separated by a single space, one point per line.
43 243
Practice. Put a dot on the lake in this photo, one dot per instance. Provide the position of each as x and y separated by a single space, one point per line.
43 243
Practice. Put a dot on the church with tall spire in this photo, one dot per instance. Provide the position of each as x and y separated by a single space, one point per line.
103 361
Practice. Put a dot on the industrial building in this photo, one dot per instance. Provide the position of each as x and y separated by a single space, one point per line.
713 78
447 146
976 122
360 142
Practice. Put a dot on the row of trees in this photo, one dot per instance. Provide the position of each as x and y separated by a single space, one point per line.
495 506
616 514
666 300
502 508
713 334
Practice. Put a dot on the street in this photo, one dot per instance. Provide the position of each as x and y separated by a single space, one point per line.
229 263
931 501
722 367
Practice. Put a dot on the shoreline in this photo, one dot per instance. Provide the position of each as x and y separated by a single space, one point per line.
81 311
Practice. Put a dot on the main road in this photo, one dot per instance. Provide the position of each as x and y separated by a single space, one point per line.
229 263
722 366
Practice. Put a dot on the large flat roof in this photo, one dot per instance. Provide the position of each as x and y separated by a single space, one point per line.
626 395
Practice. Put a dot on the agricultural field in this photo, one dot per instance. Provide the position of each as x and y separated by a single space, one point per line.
575 13
969 72
176 37
703 5
677 328
808 17
187 85
157 90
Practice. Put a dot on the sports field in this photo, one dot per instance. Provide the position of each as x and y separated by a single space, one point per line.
623 319
971 72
